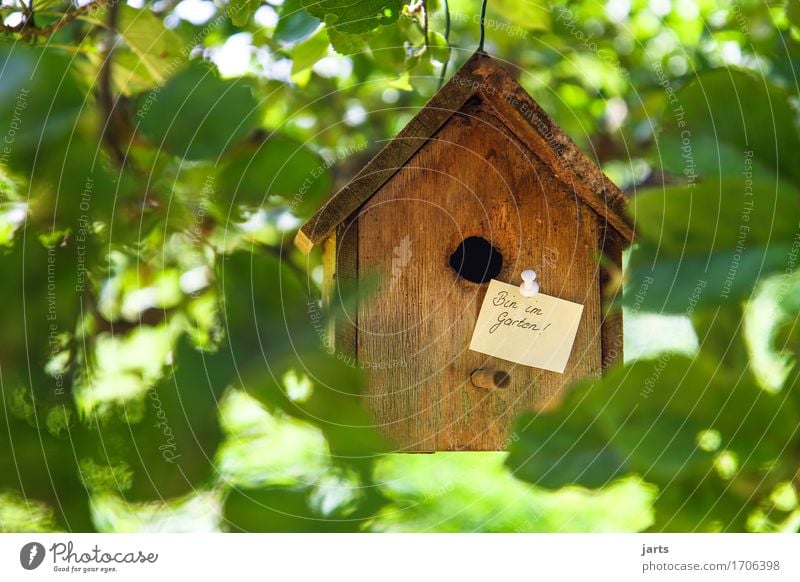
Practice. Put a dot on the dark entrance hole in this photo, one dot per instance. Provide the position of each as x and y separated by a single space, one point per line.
476 260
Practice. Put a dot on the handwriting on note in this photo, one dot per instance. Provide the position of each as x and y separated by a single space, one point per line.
536 331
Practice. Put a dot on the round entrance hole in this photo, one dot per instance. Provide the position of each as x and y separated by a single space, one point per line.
476 260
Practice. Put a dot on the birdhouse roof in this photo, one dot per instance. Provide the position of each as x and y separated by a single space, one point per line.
480 76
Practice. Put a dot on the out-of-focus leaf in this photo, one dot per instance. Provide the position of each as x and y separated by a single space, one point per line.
654 418
275 329
709 244
720 117
704 505
294 24
42 103
163 444
279 169
197 115
793 12
528 14
241 11
715 216
285 509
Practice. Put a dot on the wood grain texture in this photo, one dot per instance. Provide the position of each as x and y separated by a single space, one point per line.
610 292
480 75
475 177
347 286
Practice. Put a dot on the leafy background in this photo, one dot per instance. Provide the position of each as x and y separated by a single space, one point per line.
161 362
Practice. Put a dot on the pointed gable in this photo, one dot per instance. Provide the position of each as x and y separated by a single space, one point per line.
483 77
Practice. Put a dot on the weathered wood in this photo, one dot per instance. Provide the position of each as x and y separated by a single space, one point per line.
329 287
480 75
396 153
611 291
473 178
347 287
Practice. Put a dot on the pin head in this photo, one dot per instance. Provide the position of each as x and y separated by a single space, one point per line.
529 286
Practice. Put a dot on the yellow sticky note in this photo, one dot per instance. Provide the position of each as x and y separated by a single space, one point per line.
536 331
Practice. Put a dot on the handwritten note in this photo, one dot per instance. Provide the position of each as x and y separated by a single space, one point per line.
536 331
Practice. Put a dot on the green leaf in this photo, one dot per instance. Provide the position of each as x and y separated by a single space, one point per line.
164 445
294 24
709 244
159 49
529 14
554 451
197 115
241 11
793 12
42 104
308 52
653 417
346 44
275 329
722 116
292 509
440 50
348 17
279 170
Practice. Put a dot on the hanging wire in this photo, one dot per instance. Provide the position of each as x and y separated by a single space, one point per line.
447 40
483 27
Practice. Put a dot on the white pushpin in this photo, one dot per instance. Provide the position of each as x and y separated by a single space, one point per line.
529 286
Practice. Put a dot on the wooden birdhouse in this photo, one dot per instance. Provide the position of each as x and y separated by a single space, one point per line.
479 186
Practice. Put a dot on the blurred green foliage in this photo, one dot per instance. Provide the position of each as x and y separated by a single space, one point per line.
161 361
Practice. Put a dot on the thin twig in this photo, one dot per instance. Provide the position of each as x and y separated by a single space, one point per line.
27 32
106 90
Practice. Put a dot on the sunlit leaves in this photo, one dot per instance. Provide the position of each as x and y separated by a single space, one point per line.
528 14
159 52
346 20
167 438
240 11
649 418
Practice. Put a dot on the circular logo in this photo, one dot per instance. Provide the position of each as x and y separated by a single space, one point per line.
31 555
